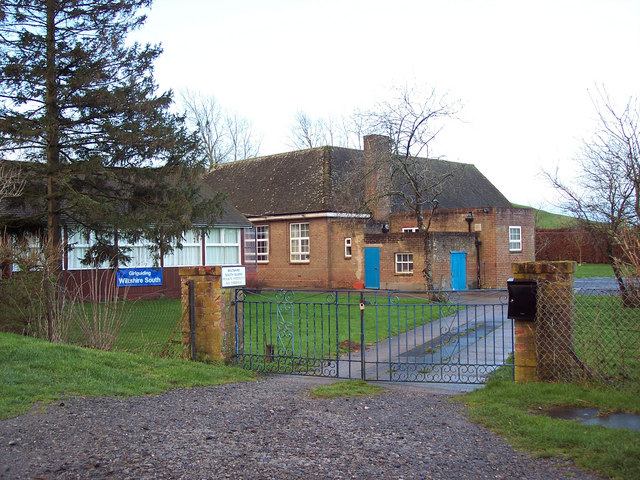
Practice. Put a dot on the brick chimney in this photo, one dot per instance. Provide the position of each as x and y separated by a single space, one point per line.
377 152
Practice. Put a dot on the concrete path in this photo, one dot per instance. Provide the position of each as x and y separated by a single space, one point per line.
464 346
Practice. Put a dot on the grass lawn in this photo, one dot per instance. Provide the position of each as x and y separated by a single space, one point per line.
310 325
147 328
607 337
33 371
587 270
509 409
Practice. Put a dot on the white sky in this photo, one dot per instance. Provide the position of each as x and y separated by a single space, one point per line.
523 70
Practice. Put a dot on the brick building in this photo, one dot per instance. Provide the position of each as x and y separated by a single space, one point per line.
311 232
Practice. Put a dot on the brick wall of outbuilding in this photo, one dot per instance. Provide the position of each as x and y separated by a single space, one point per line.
443 244
491 225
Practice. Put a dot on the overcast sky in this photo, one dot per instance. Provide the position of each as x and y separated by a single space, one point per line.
524 71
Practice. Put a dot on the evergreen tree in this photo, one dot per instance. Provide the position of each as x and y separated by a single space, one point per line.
81 110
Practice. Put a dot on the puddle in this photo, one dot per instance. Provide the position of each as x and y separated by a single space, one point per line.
589 416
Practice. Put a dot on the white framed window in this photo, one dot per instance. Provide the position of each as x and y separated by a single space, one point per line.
299 242
79 243
262 243
410 229
189 255
140 253
404 262
222 246
347 247
515 239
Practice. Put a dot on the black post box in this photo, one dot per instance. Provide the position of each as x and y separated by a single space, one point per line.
522 299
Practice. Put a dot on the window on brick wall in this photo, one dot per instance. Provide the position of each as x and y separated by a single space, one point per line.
404 262
262 243
299 242
515 239
347 247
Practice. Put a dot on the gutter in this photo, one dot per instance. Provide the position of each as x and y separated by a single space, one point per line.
299 216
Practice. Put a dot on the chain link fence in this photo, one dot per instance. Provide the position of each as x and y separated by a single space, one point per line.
587 335
31 304
148 327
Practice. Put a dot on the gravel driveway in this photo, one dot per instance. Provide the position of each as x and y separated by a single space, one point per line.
263 430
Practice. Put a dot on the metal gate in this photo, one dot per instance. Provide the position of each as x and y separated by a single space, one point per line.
451 337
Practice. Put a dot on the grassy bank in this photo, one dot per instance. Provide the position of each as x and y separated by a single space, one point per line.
510 409
33 371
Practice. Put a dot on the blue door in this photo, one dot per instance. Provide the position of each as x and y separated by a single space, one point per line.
458 270
371 267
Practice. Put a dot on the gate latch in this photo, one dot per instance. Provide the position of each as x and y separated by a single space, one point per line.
361 306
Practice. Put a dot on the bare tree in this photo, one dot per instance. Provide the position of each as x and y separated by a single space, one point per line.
345 131
242 139
11 182
223 136
605 196
412 119
306 132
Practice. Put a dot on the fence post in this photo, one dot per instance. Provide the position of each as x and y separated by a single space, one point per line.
214 314
192 318
543 349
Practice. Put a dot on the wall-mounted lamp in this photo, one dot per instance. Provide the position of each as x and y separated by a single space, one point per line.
385 228
469 219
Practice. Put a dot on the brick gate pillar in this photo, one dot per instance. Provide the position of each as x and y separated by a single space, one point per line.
214 314
544 348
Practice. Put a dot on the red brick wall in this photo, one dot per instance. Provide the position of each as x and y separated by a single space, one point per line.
327 267
492 228
504 258
443 244
344 271
576 245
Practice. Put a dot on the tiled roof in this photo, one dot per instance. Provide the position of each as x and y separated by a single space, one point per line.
285 183
305 181
20 212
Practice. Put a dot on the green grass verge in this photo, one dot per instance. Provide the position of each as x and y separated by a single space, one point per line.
587 270
147 328
607 338
506 408
347 388
33 371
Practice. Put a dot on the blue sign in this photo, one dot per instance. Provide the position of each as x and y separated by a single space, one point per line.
139 277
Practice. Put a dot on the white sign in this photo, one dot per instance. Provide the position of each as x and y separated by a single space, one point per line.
233 277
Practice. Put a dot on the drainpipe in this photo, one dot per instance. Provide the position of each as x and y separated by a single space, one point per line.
478 244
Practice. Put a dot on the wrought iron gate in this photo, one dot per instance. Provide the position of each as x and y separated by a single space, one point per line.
452 337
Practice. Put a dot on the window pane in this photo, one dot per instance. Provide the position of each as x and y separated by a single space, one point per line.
230 235
214 236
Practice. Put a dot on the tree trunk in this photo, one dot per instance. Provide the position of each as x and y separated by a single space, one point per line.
52 114
53 247
427 271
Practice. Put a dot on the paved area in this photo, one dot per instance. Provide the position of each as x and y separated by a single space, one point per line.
464 346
